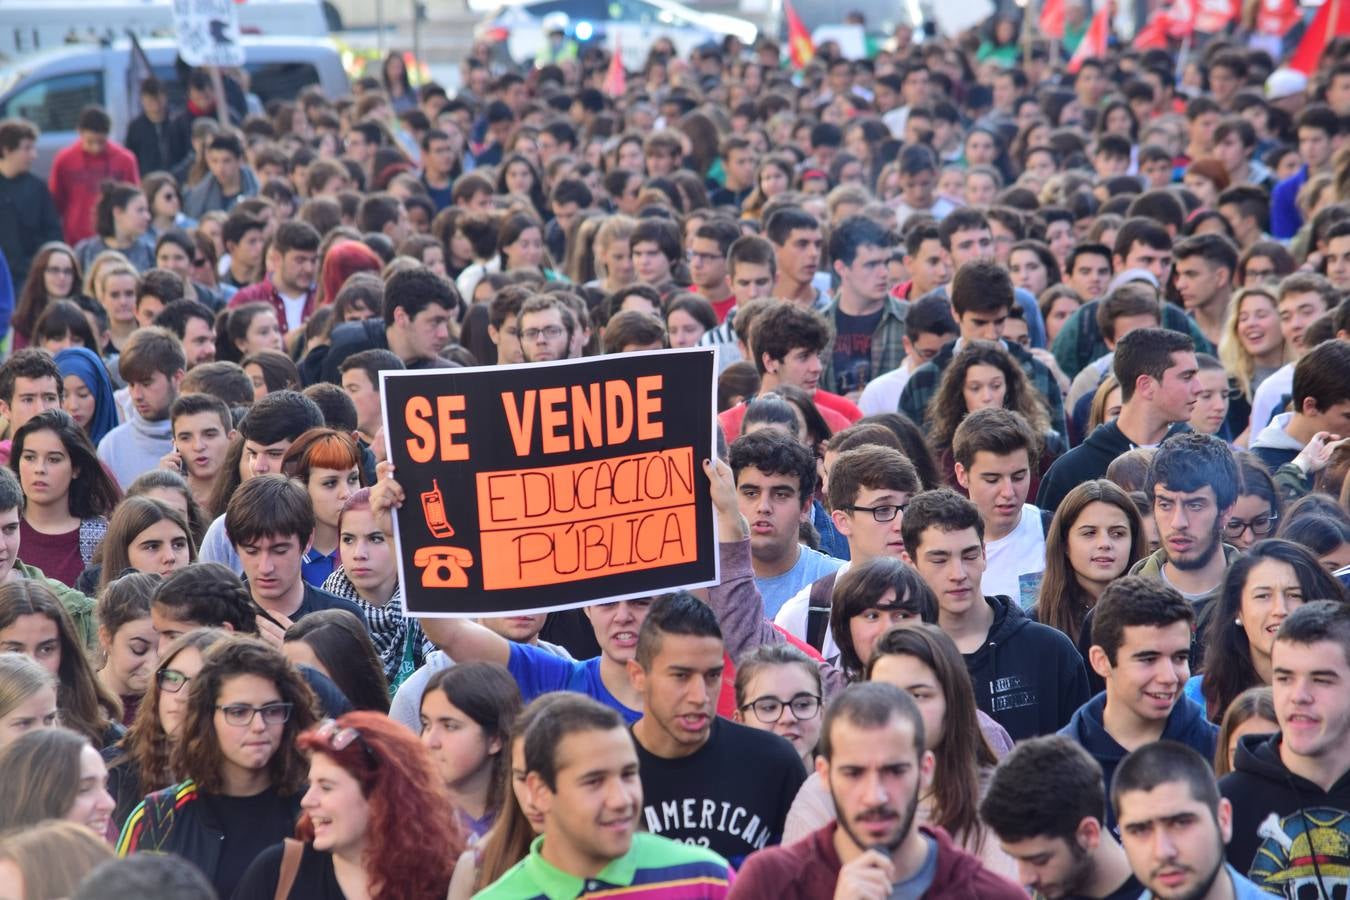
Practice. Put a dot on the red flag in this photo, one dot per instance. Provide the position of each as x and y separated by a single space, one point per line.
616 79
1094 41
1319 34
1052 19
800 46
1173 22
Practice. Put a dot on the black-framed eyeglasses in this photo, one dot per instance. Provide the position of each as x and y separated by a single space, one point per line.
768 709
338 738
884 513
171 680
241 714
1261 526
551 332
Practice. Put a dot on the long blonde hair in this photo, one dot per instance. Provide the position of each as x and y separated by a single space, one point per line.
1233 355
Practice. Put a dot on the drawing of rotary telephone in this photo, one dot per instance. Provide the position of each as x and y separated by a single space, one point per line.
442 567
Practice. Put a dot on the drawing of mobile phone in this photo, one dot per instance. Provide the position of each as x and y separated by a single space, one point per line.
433 508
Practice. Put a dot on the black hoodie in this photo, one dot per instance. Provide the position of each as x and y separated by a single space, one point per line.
1027 676
1278 816
1087 461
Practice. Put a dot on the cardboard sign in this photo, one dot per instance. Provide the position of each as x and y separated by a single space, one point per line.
551 485
208 32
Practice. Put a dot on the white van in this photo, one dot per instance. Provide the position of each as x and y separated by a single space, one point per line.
49 89
28 26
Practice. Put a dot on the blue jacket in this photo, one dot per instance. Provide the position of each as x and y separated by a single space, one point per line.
1186 724
1285 219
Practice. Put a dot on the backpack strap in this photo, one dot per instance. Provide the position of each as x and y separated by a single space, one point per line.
291 852
818 610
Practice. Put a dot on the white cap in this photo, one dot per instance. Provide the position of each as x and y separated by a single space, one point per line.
1285 83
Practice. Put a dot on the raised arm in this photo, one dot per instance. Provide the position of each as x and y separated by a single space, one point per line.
463 640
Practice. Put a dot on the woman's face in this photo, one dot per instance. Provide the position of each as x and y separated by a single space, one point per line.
118 297
132 220
1246 509
684 329
871 624
532 813
184 667
329 489
527 148
457 744
630 157
171 256
951 183
173 499
980 149
1118 122
519 179
58 276
34 635
38 711
1028 271
357 312
1269 595
1288 166
785 683
366 552
980 189
434 259
160 549
985 387
772 181
45 469
255 375
78 400
911 674
1041 166
247 749
263 334
93 805
461 250
1060 311
166 202
851 173
1113 405
1202 187
618 263
1337 559
338 810
1098 544
1258 325
527 252
132 655
1059 235
1254 725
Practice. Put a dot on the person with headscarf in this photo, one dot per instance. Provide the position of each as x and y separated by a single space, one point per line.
88 391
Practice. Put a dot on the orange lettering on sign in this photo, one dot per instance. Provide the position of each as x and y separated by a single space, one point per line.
584 416
417 416
428 435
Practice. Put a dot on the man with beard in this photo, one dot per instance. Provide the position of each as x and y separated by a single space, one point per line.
546 325
582 777
705 780
1174 825
1047 804
872 758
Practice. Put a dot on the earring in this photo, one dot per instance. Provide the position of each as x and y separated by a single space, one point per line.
1237 622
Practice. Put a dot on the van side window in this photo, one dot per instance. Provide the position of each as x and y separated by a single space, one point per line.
54 104
280 81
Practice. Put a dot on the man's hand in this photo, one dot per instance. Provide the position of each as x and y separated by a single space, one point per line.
172 461
272 628
731 525
866 878
386 495
1317 453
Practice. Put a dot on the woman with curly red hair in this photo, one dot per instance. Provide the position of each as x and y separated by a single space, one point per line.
375 823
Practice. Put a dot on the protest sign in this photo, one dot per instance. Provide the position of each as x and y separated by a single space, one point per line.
551 485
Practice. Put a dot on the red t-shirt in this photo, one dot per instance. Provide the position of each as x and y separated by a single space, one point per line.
57 555
722 307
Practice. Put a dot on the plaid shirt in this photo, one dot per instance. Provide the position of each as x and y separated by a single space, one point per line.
888 345
923 384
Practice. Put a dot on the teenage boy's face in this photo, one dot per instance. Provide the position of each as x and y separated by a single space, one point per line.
971 245
31 396
272 566
983 326
616 626
365 397
1311 700
1297 312
1053 867
998 485
801 367
876 776
1142 256
1189 525
1179 389
1152 664
867 276
199 342
952 563
203 441
752 281
774 507
1090 276
262 459
153 396
868 538
680 688
592 811
9 542
1175 843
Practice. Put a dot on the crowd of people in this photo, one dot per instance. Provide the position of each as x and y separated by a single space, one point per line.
1033 427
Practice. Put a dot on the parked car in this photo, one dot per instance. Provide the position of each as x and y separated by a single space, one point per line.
50 88
632 25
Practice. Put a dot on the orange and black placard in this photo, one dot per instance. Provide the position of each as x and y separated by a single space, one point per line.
545 486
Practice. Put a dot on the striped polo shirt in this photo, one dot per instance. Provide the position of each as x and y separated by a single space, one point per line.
654 868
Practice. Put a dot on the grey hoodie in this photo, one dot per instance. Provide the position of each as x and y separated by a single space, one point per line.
1274 446
207 195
